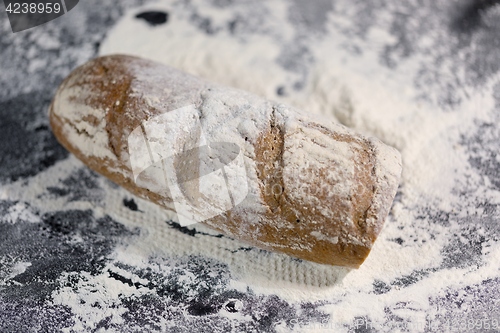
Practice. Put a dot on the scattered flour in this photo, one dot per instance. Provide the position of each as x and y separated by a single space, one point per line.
358 92
20 211
364 95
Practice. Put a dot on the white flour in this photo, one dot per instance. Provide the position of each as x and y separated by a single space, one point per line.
364 95
360 93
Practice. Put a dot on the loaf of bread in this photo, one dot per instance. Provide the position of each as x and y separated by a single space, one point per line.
258 171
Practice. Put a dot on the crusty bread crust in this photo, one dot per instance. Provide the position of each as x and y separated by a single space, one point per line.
317 190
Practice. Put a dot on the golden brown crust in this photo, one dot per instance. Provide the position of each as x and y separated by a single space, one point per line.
109 86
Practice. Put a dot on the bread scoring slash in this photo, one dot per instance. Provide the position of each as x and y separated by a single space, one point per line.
301 184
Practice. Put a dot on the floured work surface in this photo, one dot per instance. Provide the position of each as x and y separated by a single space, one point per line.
79 253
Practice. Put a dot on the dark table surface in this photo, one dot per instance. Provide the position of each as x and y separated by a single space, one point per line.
72 267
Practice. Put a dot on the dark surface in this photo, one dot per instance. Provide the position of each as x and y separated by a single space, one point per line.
153 18
71 248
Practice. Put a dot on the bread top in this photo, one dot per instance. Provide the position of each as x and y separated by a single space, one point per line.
316 190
